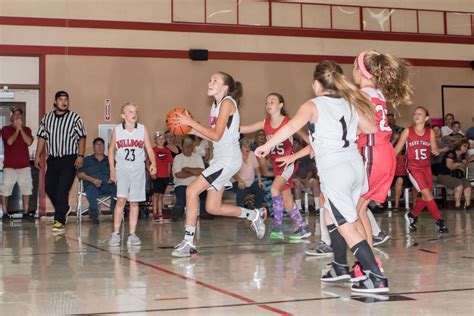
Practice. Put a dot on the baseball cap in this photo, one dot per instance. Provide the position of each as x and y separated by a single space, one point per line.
61 94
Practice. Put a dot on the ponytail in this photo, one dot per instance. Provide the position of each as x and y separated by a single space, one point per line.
235 87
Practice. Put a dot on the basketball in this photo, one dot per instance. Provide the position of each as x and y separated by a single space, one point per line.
176 129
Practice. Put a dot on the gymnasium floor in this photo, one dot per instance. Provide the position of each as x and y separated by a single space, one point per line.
234 274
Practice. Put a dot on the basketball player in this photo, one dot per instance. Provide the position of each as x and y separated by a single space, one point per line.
420 142
127 169
334 117
223 131
283 182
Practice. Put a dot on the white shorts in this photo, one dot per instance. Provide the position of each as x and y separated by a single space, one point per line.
21 176
131 182
342 187
221 170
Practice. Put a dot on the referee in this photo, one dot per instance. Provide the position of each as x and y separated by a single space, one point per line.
65 137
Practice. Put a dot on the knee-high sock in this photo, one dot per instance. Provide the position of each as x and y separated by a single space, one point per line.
433 208
296 216
338 244
277 203
373 223
324 229
366 257
420 204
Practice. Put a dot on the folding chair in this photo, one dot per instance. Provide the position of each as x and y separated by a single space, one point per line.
81 194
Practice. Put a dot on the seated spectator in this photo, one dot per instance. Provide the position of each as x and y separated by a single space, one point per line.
266 170
171 144
393 124
457 133
448 121
249 180
96 175
260 139
453 174
306 177
201 148
443 146
186 167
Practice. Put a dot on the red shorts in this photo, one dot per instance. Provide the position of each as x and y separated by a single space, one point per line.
380 164
421 178
287 172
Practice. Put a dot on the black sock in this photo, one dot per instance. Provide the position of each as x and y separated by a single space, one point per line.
364 254
338 245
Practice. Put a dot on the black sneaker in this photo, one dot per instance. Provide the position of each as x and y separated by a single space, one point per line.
441 226
337 273
411 221
372 283
6 217
380 238
29 217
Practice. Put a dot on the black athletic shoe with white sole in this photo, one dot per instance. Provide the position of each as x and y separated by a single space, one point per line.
411 221
371 284
441 226
337 273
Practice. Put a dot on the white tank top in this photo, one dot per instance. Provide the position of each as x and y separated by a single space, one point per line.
333 137
228 145
130 146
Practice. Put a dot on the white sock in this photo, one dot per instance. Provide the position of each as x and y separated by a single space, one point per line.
298 204
316 202
324 228
189 232
373 223
247 214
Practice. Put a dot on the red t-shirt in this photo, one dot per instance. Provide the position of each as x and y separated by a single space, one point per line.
284 148
418 149
163 160
16 154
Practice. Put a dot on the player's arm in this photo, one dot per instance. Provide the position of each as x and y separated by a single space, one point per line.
150 153
366 125
434 144
304 135
111 157
194 132
306 112
401 141
285 161
246 129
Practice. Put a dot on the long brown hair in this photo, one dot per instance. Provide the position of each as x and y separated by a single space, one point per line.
330 76
391 76
235 87
281 100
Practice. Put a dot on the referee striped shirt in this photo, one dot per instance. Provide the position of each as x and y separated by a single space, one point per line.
62 133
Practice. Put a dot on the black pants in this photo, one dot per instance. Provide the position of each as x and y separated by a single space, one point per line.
60 175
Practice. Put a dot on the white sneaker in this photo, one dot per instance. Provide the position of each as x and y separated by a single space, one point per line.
258 223
133 240
114 240
184 249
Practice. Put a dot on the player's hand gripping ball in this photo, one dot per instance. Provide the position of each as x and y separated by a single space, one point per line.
174 128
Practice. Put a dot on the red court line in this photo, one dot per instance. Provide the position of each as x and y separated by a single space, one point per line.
206 285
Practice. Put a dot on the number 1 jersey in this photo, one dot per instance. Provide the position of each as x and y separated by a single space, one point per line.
130 146
418 149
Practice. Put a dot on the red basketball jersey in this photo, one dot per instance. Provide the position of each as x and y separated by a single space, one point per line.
284 148
384 132
418 149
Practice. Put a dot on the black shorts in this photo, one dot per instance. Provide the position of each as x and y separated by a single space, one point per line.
159 185
406 181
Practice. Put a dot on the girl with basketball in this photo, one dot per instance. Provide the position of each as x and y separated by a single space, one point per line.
334 117
420 142
224 133
283 182
127 158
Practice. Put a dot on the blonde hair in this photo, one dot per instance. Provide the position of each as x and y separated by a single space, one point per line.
127 104
330 76
391 76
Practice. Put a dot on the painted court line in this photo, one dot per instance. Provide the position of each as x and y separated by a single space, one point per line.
206 285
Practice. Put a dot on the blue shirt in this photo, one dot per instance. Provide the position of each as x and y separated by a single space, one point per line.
96 169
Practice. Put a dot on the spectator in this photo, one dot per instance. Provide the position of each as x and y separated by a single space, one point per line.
161 179
186 167
457 133
392 123
247 183
96 176
443 146
171 144
453 174
266 170
63 133
201 148
260 139
16 165
306 177
448 121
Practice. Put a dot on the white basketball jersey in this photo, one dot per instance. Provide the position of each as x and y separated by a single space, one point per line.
130 146
228 145
333 137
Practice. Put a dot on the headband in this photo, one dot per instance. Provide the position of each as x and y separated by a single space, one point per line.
360 63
